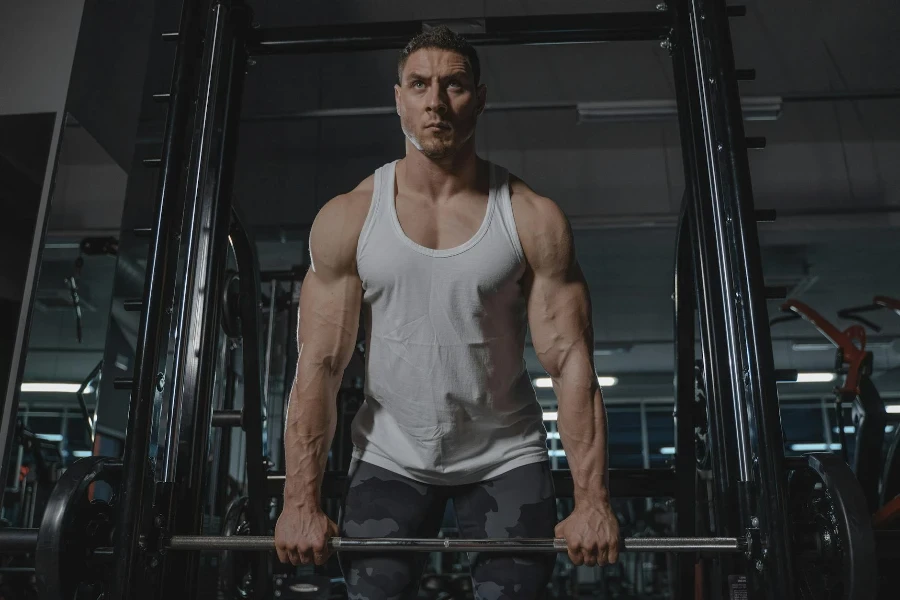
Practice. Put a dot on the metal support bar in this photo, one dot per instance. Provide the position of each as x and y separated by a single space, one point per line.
228 418
18 541
255 415
216 543
685 400
187 409
737 343
536 29
134 514
123 383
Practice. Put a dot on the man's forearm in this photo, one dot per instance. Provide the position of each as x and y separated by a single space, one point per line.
309 431
582 427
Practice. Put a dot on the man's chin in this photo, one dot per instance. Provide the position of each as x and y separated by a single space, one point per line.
434 151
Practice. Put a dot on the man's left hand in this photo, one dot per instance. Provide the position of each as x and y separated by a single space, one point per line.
592 534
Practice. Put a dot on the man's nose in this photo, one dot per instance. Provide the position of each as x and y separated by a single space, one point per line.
436 100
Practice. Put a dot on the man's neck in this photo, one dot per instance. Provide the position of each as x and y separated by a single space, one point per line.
440 179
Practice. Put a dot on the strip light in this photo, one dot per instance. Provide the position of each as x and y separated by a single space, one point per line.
818 447
556 453
667 450
52 388
852 429
764 108
894 409
546 382
815 377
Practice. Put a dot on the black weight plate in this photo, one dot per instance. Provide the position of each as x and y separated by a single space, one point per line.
236 568
74 524
303 587
231 305
890 479
834 544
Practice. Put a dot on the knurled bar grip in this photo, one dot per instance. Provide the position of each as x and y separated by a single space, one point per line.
643 544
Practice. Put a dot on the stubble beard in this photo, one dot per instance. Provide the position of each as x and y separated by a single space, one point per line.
434 148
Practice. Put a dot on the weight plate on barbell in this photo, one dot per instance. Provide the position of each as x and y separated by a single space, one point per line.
79 518
231 305
236 569
834 544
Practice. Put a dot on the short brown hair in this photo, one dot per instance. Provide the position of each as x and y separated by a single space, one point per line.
441 38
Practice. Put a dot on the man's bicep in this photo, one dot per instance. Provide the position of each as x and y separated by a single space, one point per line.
329 319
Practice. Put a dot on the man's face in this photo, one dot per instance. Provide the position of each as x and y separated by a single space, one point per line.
438 102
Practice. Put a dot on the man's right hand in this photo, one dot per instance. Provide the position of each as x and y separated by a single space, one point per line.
301 536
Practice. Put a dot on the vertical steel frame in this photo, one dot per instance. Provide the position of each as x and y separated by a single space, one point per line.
685 401
744 419
193 218
255 414
137 487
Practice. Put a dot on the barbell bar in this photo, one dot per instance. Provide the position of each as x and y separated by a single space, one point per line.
263 543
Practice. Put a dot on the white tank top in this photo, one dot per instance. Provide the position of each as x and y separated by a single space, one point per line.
448 397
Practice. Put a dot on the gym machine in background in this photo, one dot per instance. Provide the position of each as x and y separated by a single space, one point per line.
749 520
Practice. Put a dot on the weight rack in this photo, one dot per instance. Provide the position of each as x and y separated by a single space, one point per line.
718 282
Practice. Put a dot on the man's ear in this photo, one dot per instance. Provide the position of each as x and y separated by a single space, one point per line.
397 97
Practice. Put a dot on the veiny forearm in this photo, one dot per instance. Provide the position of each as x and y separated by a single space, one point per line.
582 427
309 431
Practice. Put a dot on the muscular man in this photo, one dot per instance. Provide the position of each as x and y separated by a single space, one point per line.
451 259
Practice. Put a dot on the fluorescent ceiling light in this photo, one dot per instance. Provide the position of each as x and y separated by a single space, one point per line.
607 350
82 453
49 437
546 382
814 347
550 416
815 377
552 435
894 409
754 109
818 447
557 453
58 388
805 347
852 429
666 450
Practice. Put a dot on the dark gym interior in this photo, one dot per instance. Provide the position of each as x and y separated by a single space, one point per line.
101 110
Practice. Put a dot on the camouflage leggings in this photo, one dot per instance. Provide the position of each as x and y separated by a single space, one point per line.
517 504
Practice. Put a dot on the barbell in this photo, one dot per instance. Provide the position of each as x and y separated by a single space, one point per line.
262 543
830 526
25 541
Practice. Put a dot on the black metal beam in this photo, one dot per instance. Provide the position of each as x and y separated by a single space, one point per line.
686 508
537 29
137 485
624 483
187 411
228 418
737 344
18 541
254 409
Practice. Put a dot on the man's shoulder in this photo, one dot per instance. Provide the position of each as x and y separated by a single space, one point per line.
347 212
534 213
337 226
